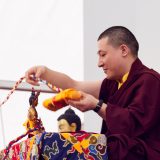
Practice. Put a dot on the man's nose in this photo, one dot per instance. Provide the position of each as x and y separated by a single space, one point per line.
100 63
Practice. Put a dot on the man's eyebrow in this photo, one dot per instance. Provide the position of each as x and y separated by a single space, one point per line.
101 51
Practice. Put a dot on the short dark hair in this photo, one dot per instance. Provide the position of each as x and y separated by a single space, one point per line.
118 35
71 117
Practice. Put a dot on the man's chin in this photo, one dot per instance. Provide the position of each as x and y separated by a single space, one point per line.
110 77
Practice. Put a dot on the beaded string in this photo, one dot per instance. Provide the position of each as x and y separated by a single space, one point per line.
13 89
52 87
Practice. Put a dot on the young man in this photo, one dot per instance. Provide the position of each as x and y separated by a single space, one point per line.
128 99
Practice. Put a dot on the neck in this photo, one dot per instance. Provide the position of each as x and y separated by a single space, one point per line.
127 67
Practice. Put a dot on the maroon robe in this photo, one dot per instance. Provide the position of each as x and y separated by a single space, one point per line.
133 115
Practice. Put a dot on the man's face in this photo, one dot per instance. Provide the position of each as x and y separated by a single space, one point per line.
110 59
63 126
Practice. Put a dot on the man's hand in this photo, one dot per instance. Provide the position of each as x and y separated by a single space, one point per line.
33 74
86 103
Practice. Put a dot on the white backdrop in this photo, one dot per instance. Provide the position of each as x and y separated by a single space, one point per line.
35 32
62 35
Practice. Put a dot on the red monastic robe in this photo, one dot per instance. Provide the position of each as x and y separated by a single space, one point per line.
133 115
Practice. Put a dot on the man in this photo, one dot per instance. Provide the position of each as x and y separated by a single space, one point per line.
69 121
128 99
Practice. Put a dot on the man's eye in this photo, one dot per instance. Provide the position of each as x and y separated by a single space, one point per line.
102 55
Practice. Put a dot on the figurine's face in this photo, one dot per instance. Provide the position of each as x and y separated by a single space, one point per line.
32 114
63 126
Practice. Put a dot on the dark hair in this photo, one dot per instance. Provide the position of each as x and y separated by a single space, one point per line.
118 35
71 117
32 98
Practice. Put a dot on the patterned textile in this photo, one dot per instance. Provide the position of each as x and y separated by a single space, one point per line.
60 146
27 149
73 146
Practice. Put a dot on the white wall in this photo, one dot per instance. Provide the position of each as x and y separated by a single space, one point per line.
141 17
37 32
53 33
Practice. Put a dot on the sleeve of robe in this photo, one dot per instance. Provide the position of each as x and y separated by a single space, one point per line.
126 124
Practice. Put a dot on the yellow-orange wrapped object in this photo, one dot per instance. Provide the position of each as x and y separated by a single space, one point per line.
58 101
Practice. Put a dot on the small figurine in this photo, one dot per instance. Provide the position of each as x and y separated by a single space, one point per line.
32 121
69 121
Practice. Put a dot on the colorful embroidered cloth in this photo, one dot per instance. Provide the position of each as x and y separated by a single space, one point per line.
73 146
25 150
60 146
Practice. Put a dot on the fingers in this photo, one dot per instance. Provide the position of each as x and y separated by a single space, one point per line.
76 104
70 102
32 75
32 81
86 103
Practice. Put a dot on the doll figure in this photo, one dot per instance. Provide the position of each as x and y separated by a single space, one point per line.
69 122
33 122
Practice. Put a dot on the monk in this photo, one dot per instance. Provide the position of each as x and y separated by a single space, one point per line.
128 98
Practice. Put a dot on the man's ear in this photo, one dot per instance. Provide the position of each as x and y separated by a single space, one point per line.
73 127
124 48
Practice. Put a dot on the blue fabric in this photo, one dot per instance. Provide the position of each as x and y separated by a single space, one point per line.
55 147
